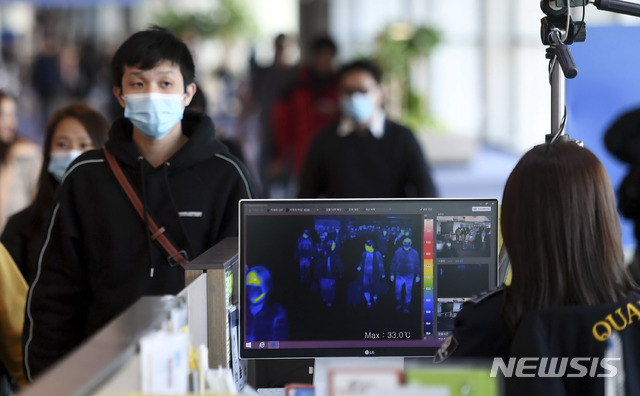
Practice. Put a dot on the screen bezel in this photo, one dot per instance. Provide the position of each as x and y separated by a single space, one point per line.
302 353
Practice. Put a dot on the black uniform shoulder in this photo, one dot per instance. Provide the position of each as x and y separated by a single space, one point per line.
479 330
487 295
481 306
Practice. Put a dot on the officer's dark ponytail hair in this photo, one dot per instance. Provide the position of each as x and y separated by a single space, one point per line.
562 232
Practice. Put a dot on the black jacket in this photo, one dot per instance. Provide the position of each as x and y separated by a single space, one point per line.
479 330
569 332
361 166
97 256
23 239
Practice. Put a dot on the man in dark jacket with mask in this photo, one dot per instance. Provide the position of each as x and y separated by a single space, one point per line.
99 256
365 155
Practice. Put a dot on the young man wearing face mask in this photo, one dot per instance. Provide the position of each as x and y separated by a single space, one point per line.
365 154
99 256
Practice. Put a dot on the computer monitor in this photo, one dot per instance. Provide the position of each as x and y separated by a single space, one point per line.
360 277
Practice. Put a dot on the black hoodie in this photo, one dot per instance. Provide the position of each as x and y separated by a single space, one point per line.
98 258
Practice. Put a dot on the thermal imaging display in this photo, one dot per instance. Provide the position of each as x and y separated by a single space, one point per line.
360 277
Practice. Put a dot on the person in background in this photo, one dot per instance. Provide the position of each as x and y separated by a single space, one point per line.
266 318
304 256
622 139
100 256
13 293
46 76
311 104
364 154
562 232
405 272
372 273
71 131
10 70
448 250
268 85
20 161
328 272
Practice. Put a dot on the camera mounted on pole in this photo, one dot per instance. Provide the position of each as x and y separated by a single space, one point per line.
557 31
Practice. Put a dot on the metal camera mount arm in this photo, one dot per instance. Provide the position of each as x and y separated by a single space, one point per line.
558 31
619 7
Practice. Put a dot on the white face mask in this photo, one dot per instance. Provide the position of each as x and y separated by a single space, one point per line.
60 161
154 114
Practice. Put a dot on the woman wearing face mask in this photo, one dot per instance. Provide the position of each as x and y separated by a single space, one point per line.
71 131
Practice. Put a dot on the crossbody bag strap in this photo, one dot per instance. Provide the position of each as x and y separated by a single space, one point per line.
157 233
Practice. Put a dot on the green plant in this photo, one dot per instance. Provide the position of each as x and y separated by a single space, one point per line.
399 45
231 19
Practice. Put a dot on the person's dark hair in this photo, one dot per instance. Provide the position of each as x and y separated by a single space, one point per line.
96 126
561 231
147 48
362 65
198 101
323 43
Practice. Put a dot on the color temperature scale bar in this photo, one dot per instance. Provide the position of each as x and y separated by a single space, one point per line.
428 277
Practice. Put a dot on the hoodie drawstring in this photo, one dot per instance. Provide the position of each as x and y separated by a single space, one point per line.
146 217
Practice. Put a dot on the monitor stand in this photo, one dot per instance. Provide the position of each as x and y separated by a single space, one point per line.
322 367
